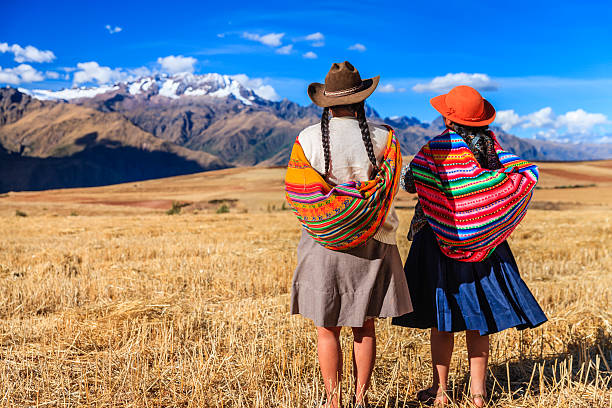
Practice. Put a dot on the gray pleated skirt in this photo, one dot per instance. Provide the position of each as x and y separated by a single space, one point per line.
345 288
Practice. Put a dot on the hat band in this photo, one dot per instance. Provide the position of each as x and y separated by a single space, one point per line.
451 111
343 92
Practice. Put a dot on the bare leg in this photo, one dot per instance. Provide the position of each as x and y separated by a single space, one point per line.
364 356
330 361
442 344
478 353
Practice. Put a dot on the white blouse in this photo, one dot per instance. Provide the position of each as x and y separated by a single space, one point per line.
349 159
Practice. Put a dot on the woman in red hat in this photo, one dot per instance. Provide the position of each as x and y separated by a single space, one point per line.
342 178
460 271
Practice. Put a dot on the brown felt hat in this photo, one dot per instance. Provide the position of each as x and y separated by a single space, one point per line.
464 105
343 86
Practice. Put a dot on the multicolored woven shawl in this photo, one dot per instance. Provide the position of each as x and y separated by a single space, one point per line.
470 209
344 216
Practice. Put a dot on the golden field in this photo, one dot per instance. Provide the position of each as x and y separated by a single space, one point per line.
107 300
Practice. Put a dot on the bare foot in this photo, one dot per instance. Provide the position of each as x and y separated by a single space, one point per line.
479 400
432 395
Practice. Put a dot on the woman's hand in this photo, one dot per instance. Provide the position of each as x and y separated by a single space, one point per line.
406 180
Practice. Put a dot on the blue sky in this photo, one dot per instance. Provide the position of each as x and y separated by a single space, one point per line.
546 66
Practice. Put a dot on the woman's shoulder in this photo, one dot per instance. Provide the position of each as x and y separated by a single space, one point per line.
310 133
445 137
379 130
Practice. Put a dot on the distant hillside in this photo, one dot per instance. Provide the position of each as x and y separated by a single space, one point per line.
162 126
54 144
219 115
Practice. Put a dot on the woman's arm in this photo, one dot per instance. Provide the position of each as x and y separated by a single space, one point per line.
406 180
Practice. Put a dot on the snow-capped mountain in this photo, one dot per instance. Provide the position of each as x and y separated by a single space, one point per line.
171 86
179 124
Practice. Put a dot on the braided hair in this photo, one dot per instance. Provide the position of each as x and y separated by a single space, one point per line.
359 109
480 142
365 135
325 139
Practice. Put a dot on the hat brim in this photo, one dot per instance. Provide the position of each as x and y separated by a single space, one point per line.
439 104
316 92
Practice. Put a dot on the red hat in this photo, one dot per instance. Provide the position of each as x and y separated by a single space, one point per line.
464 105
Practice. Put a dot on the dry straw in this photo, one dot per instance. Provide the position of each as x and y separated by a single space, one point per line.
192 311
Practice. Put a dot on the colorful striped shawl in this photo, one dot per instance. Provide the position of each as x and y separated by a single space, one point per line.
470 209
344 216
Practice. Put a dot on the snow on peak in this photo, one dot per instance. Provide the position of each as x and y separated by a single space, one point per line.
68 93
241 87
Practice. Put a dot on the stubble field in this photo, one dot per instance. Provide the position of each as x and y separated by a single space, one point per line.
107 300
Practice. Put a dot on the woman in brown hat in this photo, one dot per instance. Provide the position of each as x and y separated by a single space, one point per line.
460 270
341 181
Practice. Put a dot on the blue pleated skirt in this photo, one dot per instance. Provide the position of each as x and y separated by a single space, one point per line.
488 296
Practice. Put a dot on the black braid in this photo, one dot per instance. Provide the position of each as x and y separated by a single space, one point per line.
365 135
480 142
325 139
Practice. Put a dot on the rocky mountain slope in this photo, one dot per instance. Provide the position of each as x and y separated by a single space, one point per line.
219 115
167 125
47 144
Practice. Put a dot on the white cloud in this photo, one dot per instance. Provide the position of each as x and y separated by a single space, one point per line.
445 83
389 88
22 73
579 121
315 37
9 76
543 117
27 54
310 55
318 39
571 126
113 30
174 64
28 73
272 39
52 74
258 86
507 119
550 134
139 72
92 72
286 50
357 47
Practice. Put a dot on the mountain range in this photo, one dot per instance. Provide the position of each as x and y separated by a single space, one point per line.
161 125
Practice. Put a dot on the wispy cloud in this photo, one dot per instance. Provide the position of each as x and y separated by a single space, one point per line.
444 83
310 55
230 49
390 88
357 47
113 30
286 50
27 54
271 40
317 39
